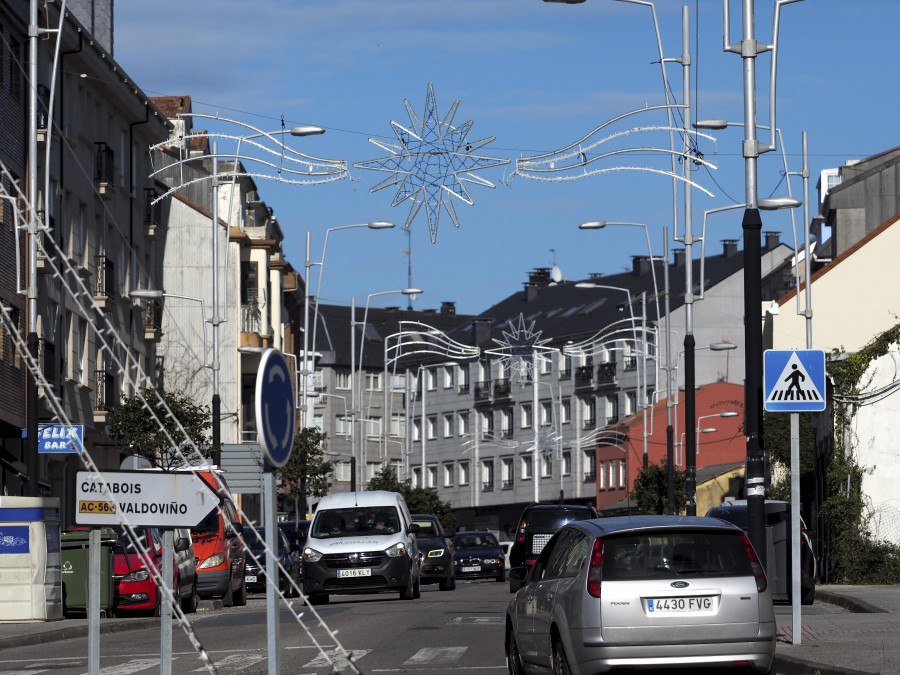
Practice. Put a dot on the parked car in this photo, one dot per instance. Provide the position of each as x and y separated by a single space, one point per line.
133 563
478 555
436 551
735 511
255 578
537 524
642 591
220 550
361 542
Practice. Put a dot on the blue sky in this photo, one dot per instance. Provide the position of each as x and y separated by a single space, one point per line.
537 77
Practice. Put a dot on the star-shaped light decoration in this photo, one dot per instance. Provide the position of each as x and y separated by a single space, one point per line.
432 162
518 348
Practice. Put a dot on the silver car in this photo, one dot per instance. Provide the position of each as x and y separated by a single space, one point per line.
642 591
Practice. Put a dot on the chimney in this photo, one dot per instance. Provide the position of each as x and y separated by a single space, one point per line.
448 308
772 240
679 258
531 291
481 331
540 276
640 264
729 247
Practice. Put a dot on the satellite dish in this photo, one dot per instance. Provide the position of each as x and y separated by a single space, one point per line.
556 275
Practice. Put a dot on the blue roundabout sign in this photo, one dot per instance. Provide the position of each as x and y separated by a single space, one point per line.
275 408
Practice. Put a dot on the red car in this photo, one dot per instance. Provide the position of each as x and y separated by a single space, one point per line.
136 589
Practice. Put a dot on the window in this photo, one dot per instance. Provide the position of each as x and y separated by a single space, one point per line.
463 378
432 476
630 403
526 467
398 425
448 377
507 473
431 427
589 414
612 466
622 477
342 471
448 475
463 473
417 430
527 420
417 476
373 381
565 411
507 423
546 466
612 409
546 366
372 427
463 424
546 413
342 425
565 366
448 425
487 424
567 463
319 422
342 380
487 474
602 474
431 380
589 467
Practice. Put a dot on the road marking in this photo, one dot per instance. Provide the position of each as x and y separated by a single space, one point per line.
478 619
236 661
27 671
435 654
129 667
338 661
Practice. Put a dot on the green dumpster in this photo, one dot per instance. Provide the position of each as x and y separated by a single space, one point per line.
75 565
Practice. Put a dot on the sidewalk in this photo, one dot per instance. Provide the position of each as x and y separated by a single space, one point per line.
863 639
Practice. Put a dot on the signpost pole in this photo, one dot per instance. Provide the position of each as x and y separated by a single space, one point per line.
165 605
272 620
93 609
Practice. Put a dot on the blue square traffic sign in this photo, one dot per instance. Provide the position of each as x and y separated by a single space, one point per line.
794 380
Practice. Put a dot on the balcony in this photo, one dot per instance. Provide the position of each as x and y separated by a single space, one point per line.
105 394
251 325
584 377
507 484
104 291
606 373
589 424
630 363
507 433
152 214
463 388
153 321
565 374
502 388
590 478
104 169
482 391
487 486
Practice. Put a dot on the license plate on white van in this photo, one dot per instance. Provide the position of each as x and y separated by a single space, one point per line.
687 605
346 574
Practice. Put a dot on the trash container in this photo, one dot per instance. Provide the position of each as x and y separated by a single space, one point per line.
75 563
30 588
778 551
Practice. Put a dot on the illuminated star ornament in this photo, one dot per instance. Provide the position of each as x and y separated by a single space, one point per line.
432 163
517 347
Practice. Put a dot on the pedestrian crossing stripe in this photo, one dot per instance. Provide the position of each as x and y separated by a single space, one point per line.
794 380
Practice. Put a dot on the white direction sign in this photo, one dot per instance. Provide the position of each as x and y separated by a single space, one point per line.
794 380
148 498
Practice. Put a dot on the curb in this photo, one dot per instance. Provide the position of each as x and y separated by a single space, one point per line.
80 631
786 665
854 605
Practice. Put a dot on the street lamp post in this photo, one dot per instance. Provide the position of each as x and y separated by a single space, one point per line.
308 363
727 413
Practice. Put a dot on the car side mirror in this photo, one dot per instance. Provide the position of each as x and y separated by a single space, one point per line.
182 544
233 530
518 575
414 528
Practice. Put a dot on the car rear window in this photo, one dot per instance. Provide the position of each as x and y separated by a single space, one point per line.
551 521
665 555
427 528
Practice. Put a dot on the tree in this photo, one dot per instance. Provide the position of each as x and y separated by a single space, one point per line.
143 425
419 500
307 472
651 489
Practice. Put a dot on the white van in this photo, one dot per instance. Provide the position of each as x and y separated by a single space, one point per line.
361 542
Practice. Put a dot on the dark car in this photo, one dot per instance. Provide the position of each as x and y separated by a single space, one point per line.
478 555
436 550
254 570
537 524
778 522
296 533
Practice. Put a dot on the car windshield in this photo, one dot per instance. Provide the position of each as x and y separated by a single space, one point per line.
664 555
427 528
475 540
368 520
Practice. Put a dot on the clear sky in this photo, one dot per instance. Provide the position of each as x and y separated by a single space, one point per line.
537 77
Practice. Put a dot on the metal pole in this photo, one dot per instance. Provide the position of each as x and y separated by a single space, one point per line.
670 434
165 604
689 364
752 227
31 395
423 377
304 385
94 602
535 376
273 620
352 393
216 401
643 389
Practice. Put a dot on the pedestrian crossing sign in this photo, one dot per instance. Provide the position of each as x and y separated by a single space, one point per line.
794 380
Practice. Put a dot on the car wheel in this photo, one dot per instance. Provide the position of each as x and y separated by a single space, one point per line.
513 658
240 596
808 595
190 603
407 593
228 598
157 608
417 590
560 664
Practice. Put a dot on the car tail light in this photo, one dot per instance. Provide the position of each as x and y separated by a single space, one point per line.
594 571
758 572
